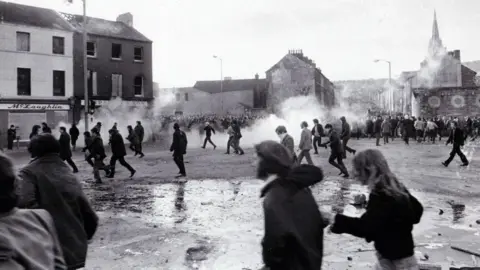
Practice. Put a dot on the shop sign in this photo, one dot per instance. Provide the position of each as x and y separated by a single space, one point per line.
34 107
132 103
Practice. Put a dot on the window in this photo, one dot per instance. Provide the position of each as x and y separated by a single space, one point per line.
116 51
138 86
117 84
59 83
92 82
177 96
23 42
186 96
58 45
91 49
138 53
24 82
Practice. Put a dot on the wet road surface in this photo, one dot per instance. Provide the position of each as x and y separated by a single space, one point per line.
216 221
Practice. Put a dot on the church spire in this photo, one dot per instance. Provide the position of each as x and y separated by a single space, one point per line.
435 45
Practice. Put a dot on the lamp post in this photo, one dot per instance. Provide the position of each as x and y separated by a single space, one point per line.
390 90
221 79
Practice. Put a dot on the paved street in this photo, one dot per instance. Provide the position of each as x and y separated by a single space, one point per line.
214 220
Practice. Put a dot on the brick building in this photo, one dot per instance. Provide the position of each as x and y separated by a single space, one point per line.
294 75
443 85
119 62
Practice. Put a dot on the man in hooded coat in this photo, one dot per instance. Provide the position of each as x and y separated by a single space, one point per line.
293 223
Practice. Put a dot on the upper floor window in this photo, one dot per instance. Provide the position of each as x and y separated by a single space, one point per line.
116 51
92 82
58 45
117 80
59 83
138 86
91 49
138 53
23 42
24 83
186 96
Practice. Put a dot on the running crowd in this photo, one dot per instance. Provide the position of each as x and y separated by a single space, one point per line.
46 221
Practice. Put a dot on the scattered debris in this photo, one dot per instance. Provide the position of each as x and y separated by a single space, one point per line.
425 257
466 251
349 258
441 212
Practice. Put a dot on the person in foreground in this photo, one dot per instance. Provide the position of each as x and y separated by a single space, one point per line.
293 223
28 239
391 213
48 183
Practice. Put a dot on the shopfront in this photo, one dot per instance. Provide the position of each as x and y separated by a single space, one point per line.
25 114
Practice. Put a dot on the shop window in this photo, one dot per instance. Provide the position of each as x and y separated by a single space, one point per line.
116 51
91 49
23 42
58 45
117 84
92 82
138 86
24 83
138 54
59 83
186 96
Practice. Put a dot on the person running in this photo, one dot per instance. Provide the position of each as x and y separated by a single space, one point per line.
65 150
345 136
118 153
457 138
317 132
74 134
305 144
336 153
134 142
391 213
208 135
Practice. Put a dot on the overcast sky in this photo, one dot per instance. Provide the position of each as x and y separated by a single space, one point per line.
342 36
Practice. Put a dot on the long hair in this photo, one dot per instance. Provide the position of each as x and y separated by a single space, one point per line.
374 171
8 197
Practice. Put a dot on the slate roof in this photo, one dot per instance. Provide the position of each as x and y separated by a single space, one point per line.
106 28
473 65
32 16
213 87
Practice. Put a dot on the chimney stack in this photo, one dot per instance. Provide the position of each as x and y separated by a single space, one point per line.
456 54
126 18
256 76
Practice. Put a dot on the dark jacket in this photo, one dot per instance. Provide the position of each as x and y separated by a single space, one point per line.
208 131
456 137
96 148
179 143
74 133
369 125
88 141
140 132
11 134
293 224
117 145
46 129
335 142
65 151
237 134
377 127
48 183
133 137
319 130
345 131
388 222
408 126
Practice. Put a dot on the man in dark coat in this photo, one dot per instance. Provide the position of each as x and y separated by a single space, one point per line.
345 136
134 142
140 131
118 153
97 152
65 151
377 129
409 129
208 135
74 133
11 136
457 138
47 183
369 127
237 135
393 125
317 133
46 128
336 153
294 225
179 148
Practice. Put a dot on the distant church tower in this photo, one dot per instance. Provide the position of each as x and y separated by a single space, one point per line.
435 45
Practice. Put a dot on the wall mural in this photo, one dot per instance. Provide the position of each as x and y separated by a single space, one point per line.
458 101
434 101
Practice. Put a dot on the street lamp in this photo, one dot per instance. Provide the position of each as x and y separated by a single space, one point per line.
221 79
390 91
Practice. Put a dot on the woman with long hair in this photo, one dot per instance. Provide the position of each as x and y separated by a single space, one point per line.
391 213
28 238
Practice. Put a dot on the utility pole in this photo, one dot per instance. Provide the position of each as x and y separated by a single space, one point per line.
85 70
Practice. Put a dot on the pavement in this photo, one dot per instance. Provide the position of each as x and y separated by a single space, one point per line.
214 219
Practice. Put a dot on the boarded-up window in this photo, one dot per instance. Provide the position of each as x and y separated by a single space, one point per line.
117 84
23 42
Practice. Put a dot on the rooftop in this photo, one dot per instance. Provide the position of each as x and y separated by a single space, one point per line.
32 16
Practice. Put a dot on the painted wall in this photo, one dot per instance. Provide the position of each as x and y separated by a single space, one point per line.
40 60
448 102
